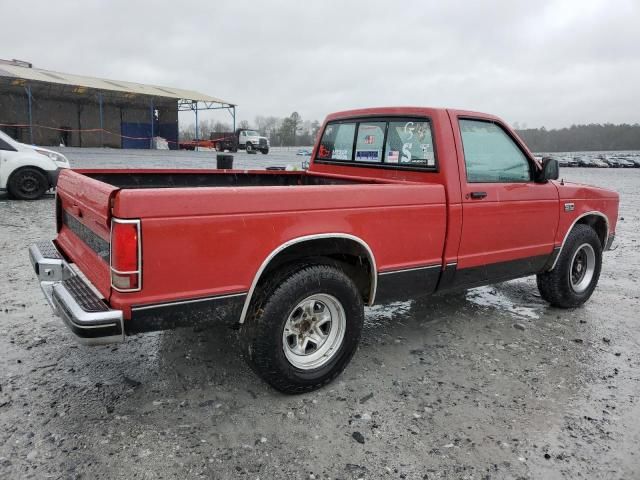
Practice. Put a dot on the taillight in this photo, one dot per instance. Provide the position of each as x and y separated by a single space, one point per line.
126 257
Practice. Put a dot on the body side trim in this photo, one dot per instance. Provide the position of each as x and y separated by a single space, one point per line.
272 255
407 283
185 302
412 269
575 221
203 312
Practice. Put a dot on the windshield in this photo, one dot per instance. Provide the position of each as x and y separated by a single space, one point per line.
252 133
7 138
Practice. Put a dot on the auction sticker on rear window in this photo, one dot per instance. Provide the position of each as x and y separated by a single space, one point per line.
367 155
341 155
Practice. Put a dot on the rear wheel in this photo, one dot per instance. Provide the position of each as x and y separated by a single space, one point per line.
577 270
28 184
303 331
265 151
219 147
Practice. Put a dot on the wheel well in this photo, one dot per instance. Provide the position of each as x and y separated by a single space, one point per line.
345 253
599 224
43 172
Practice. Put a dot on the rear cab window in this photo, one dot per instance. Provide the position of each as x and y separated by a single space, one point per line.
395 142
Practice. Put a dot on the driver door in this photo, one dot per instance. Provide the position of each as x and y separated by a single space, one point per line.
509 221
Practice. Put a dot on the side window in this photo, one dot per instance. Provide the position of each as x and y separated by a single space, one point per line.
490 155
370 141
410 142
337 141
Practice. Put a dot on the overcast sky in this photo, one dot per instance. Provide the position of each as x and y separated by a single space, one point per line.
552 63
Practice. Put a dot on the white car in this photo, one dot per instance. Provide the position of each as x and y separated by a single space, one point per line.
27 172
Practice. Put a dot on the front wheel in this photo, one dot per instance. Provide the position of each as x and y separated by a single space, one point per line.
249 148
28 184
304 330
577 270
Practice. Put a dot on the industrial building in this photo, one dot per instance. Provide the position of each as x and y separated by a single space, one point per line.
43 107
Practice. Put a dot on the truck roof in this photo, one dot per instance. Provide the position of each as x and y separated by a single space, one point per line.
392 111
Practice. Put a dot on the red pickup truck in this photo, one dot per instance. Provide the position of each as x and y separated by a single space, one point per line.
397 203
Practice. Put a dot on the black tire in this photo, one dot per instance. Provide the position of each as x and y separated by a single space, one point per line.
261 335
249 148
557 286
27 183
219 147
265 151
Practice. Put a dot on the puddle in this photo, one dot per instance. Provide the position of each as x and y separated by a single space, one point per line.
490 296
383 314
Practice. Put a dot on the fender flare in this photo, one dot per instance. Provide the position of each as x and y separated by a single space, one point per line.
289 243
575 222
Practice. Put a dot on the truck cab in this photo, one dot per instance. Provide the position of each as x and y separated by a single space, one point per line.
251 141
242 139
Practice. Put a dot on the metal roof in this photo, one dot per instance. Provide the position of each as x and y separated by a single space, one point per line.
9 69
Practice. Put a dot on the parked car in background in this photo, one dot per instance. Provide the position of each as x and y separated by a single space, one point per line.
582 162
625 163
599 163
26 171
612 162
305 152
569 162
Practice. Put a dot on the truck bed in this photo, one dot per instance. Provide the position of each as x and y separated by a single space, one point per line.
200 240
214 178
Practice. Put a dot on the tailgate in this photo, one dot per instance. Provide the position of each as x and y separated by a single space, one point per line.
83 214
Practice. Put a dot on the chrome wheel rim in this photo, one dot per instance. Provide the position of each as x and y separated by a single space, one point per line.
314 331
583 266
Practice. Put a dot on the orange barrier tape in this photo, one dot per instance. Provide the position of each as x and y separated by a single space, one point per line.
81 130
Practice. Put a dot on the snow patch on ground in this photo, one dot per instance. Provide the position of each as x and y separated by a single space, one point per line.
491 297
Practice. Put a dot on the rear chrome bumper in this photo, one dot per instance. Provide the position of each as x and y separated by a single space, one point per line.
73 298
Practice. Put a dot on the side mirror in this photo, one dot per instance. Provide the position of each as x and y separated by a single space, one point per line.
550 170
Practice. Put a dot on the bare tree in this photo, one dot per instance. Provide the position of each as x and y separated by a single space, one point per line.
220 127
296 122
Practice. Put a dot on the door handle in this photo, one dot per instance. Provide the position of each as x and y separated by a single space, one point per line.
478 195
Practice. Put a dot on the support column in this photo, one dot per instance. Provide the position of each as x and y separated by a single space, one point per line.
30 102
101 121
196 120
152 119
234 119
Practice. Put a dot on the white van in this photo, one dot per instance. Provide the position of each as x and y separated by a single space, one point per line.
27 172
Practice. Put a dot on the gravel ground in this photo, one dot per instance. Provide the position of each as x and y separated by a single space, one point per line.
491 383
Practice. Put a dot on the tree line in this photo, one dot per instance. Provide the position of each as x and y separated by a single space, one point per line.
579 138
281 132
294 131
